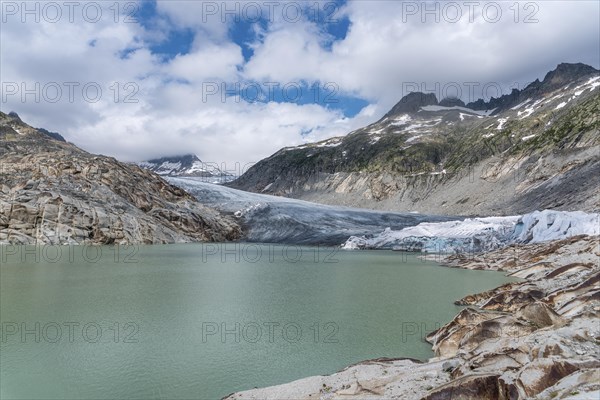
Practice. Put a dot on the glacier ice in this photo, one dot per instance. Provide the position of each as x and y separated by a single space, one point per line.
273 219
482 234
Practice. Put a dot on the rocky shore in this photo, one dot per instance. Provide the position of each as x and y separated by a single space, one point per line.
532 339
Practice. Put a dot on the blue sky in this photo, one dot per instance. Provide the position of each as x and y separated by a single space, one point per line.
243 32
189 76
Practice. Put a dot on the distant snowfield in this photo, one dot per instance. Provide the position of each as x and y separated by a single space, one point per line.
482 234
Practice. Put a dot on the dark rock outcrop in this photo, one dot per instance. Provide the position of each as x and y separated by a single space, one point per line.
412 103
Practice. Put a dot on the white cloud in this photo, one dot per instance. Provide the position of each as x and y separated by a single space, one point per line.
209 62
386 48
380 52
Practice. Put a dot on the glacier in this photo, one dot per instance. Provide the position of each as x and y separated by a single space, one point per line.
273 219
473 235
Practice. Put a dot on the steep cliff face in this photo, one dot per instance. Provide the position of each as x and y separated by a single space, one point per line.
532 149
53 192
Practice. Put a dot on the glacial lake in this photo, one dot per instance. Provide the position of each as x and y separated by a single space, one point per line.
199 321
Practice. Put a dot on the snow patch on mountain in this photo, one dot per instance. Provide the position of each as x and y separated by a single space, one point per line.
402 120
561 105
521 104
501 123
188 165
330 143
458 108
526 138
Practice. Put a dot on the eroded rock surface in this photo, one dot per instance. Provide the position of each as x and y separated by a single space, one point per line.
52 192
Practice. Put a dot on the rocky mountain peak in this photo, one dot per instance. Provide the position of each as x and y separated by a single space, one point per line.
53 135
11 123
14 115
565 73
412 103
452 102
186 159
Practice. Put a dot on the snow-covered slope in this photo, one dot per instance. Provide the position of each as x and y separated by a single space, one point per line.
272 219
482 234
188 165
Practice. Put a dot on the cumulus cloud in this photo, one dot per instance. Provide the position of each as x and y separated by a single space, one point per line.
390 44
152 105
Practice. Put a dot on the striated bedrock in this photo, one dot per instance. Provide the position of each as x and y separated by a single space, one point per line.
52 192
533 339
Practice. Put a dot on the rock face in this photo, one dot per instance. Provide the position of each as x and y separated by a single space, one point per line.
532 149
53 192
534 339
412 103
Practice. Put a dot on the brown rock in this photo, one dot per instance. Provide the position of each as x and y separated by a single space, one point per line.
543 373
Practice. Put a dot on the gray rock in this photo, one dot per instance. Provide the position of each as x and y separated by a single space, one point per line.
55 193
450 365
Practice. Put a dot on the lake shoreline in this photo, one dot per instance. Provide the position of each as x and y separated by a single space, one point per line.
535 338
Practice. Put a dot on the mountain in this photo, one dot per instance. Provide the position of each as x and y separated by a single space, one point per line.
53 135
188 165
532 149
564 74
52 192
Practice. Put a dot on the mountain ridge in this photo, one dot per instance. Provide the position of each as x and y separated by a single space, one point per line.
561 75
420 151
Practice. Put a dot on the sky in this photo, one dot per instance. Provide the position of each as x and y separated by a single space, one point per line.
235 81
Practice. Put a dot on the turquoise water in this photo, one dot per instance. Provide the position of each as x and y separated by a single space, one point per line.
202 321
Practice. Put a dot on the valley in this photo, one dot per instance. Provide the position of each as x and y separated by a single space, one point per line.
509 186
